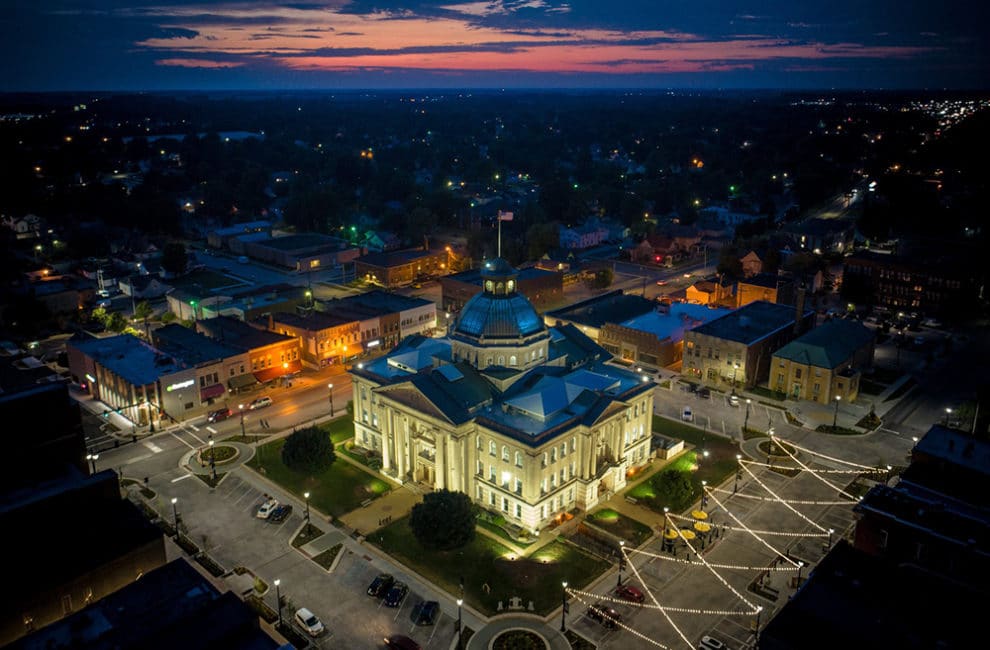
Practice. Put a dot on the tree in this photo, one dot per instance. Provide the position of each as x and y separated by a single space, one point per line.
443 521
174 258
603 278
143 311
674 486
309 451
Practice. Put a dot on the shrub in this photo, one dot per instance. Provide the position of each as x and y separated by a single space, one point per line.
444 520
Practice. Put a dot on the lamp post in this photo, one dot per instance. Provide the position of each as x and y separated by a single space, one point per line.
278 600
92 460
735 488
175 516
704 494
240 407
213 463
622 558
735 367
948 412
663 535
835 416
800 567
890 470
830 532
746 421
770 447
563 606
330 386
460 602
306 496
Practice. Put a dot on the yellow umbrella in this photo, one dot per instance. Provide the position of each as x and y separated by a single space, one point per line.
671 534
702 527
687 534
699 514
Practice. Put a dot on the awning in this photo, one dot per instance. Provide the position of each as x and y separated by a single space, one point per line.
275 372
242 381
210 392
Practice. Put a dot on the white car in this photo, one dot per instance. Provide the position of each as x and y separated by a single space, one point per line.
687 414
307 620
711 643
265 509
733 400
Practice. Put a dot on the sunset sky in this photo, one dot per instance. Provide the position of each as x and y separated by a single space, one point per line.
142 44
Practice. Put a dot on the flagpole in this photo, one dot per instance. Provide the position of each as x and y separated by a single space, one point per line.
499 217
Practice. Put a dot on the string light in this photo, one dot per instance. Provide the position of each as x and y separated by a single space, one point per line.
837 460
714 572
654 598
757 537
800 502
786 505
734 567
768 532
820 478
629 629
678 610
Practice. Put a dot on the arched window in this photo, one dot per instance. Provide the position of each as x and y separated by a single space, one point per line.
499 288
501 359
512 360
489 285
510 285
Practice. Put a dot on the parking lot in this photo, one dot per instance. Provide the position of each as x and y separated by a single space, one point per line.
223 522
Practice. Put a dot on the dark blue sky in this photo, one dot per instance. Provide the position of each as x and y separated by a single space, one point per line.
181 44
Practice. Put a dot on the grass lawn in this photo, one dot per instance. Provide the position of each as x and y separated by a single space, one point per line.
326 558
486 561
339 430
719 465
633 531
306 535
340 489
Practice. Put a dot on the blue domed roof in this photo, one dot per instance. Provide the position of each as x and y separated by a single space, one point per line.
499 311
499 316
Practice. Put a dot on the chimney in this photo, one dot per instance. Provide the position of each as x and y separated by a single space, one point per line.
798 310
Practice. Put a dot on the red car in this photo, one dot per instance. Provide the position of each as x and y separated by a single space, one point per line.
632 594
219 414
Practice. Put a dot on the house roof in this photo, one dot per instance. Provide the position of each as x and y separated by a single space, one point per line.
827 346
612 307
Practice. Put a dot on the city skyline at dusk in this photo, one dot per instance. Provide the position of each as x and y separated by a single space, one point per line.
134 45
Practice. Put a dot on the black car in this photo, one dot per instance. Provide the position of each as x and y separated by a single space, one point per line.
400 642
396 593
425 612
605 615
380 585
704 393
280 513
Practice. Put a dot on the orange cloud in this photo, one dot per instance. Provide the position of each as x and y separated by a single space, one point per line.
199 63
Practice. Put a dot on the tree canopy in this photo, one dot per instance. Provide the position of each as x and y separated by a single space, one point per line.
443 521
308 450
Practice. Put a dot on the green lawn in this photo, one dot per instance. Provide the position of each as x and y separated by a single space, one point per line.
716 467
633 531
339 430
340 489
486 561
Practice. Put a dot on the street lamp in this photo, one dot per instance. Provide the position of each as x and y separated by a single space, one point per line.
240 407
948 412
622 557
330 386
460 602
831 531
175 516
306 496
735 488
735 367
746 421
213 464
835 417
278 600
92 459
563 606
704 494
663 536
770 447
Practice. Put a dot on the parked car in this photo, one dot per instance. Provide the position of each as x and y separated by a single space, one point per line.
218 415
425 612
704 393
711 643
401 642
260 403
630 593
605 615
380 585
396 594
280 513
265 509
733 400
687 414
307 620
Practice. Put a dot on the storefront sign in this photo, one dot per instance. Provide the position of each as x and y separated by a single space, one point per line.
179 386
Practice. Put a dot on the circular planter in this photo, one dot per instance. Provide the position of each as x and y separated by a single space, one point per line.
223 454
518 639
765 448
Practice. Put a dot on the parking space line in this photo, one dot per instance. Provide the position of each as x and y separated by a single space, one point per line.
181 440
246 492
185 476
211 430
194 428
428 641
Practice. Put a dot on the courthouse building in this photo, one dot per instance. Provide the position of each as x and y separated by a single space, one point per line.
527 419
